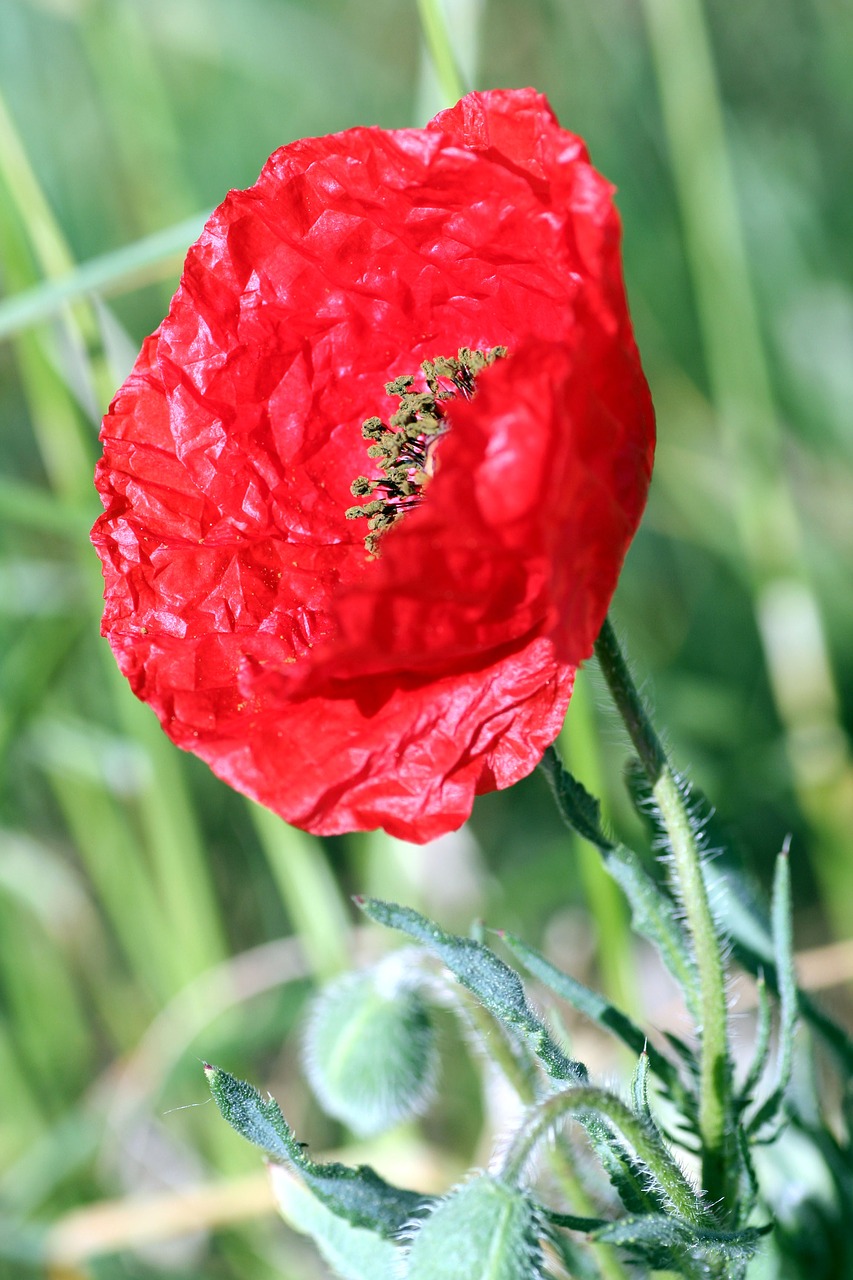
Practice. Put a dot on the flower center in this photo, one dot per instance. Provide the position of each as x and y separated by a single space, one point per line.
405 447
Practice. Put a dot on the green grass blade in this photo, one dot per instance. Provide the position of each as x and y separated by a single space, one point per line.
308 891
153 257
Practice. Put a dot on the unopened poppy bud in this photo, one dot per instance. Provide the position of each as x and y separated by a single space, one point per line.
486 1230
370 1049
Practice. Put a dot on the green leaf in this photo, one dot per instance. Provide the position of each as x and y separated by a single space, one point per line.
761 1052
601 1011
571 1221
358 1194
640 1089
783 946
496 986
579 810
114 272
751 938
666 1242
628 1176
353 1253
653 912
654 916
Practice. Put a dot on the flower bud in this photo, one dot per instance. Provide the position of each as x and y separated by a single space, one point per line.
370 1049
485 1230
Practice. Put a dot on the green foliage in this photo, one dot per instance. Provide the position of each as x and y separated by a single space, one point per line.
666 1243
599 1010
495 985
496 1225
359 1195
353 1252
653 914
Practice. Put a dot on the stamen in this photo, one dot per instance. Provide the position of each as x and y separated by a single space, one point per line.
406 447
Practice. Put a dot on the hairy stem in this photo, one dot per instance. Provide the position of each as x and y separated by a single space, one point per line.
644 1143
715 1073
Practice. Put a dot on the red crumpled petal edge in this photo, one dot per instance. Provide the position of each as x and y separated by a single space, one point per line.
437 790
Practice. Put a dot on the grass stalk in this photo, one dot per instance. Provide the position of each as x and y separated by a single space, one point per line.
309 891
184 921
440 45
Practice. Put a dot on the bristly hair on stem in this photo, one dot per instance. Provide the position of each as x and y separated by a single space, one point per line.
715 1098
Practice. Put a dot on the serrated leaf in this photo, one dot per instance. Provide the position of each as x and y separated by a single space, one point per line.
761 1051
498 987
747 1195
572 1221
628 1176
664 1241
640 1089
579 810
770 1112
353 1253
783 947
749 933
601 1011
652 910
654 916
786 979
631 1149
357 1194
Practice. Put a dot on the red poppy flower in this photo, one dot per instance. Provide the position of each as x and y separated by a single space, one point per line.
342 689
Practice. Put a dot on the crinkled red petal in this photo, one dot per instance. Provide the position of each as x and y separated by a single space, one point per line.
347 692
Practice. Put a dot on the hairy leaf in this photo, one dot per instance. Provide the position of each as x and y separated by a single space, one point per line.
357 1194
494 983
353 1253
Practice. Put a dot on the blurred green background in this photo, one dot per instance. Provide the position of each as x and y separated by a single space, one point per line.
146 912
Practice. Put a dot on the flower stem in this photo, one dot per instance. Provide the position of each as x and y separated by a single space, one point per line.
715 1069
579 746
645 1145
520 1074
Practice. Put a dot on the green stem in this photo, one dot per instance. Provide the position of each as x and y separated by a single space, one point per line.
520 1073
645 1145
715 1067
579 745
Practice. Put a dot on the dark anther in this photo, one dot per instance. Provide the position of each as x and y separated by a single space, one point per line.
405 447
